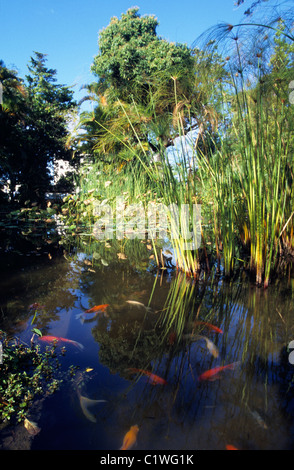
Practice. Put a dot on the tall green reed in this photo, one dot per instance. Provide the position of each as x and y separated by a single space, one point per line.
172 175
240 180
260 168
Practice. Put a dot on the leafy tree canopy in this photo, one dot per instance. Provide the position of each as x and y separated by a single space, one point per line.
131 52
34 128
42 84
149 90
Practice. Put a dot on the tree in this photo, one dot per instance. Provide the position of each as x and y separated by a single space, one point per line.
45 130
131 53
12 113
148 90
34 128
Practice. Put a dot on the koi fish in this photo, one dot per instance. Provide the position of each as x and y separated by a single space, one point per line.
138 304
94 310
212 374
130 438
231 447
97 308
153 379
134 302
31 427
210 345
58 339
85 404
209 325
83 317
258 418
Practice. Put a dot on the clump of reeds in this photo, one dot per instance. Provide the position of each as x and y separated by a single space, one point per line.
249 176
241 176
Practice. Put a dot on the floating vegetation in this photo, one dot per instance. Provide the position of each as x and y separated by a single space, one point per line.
26 373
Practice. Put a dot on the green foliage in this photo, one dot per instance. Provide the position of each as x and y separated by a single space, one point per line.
34 119
26 373
130 53
134 98
249 178
12 114
46 128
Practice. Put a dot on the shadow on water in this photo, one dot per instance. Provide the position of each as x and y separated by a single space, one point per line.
160 323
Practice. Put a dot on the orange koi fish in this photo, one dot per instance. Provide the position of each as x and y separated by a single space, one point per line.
130 438
231 447
209 325
97 308
58 339
212 374
153 379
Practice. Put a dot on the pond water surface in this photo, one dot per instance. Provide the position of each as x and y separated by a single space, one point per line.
249 405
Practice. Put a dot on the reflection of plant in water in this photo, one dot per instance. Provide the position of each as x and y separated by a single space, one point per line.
138 337
179 303
126 343
50 292
136 253
30 226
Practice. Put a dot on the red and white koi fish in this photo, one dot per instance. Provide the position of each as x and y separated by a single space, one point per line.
130 438
212 374
153 379
209 325
59 339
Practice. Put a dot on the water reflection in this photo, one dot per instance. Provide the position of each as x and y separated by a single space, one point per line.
249 406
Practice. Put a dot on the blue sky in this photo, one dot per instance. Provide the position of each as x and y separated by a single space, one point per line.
67 30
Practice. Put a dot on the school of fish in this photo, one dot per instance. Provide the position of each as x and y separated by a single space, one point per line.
130 437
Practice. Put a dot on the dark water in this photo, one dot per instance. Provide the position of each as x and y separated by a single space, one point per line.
250 406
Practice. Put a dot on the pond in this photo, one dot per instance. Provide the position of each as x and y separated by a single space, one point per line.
153 322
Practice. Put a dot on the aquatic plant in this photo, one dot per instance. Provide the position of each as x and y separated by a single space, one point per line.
230 155
26 373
